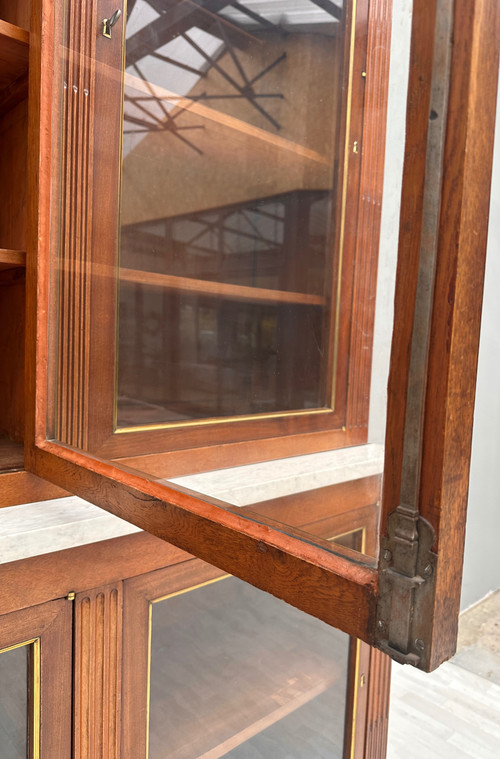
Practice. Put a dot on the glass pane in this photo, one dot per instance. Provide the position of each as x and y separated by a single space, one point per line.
229 209
14 703
236 673
223 287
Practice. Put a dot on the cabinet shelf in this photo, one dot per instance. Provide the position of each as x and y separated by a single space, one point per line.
14 54
11 454
214 289
11 259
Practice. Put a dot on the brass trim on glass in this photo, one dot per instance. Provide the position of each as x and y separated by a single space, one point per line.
119 214
36 686
222 420
271 415
150 635
212 582
344 201
355 699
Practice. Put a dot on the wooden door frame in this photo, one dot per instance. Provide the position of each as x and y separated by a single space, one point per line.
368 674
331 586
50 626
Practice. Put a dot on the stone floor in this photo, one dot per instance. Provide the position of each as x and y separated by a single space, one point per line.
453 713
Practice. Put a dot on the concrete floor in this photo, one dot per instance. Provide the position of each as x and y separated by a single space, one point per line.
453 713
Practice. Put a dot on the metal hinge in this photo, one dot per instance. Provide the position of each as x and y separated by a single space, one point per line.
406 589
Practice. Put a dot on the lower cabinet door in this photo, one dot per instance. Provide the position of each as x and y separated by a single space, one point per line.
213 667
35 682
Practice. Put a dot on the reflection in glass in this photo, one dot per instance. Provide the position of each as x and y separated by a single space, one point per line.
236 673
229 208
14 702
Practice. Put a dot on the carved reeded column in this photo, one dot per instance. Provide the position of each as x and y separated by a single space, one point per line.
97 673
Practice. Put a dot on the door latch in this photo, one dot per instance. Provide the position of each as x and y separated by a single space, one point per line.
108 23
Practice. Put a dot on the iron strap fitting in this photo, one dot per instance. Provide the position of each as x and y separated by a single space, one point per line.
406 588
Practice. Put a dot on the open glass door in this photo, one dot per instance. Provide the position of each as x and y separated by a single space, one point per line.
210 199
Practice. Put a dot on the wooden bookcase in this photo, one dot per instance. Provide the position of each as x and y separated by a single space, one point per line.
92 608
16 485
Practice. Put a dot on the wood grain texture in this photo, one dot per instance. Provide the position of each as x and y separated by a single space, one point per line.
377 716
14 48
367 234
76 225
92 374
42 578
11 455
97 673
203 287
12 321
205 458
16 12
330 587
13 192
24 487
51 623
456 316
367 706
446 418
138 594
10 259
410 230
44 67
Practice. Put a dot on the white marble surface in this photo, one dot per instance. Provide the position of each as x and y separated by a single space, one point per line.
36 528
244 485
46 526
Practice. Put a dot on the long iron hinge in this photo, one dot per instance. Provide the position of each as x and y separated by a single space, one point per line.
406 589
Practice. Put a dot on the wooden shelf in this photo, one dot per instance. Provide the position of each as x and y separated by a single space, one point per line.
11 455
14 54
214 289
12 259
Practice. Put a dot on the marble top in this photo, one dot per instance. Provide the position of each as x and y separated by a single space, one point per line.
37 528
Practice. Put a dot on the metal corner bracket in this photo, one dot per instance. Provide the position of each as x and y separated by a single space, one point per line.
406 588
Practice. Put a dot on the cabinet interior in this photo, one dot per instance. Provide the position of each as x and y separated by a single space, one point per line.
14 43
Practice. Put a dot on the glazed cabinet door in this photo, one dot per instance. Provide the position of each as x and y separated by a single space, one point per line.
214 299
214 667
35 682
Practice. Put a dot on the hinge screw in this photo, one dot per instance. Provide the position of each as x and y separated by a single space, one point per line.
419 644
428 570
381 625
387 555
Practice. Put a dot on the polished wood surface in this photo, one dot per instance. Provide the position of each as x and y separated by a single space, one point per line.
16 12
98 673
42 578
13 197
445 425
322 585
11 454
23 487
14 48
52 624
328 586
204 287
307 666
12 305
353 349
10 259
449 406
